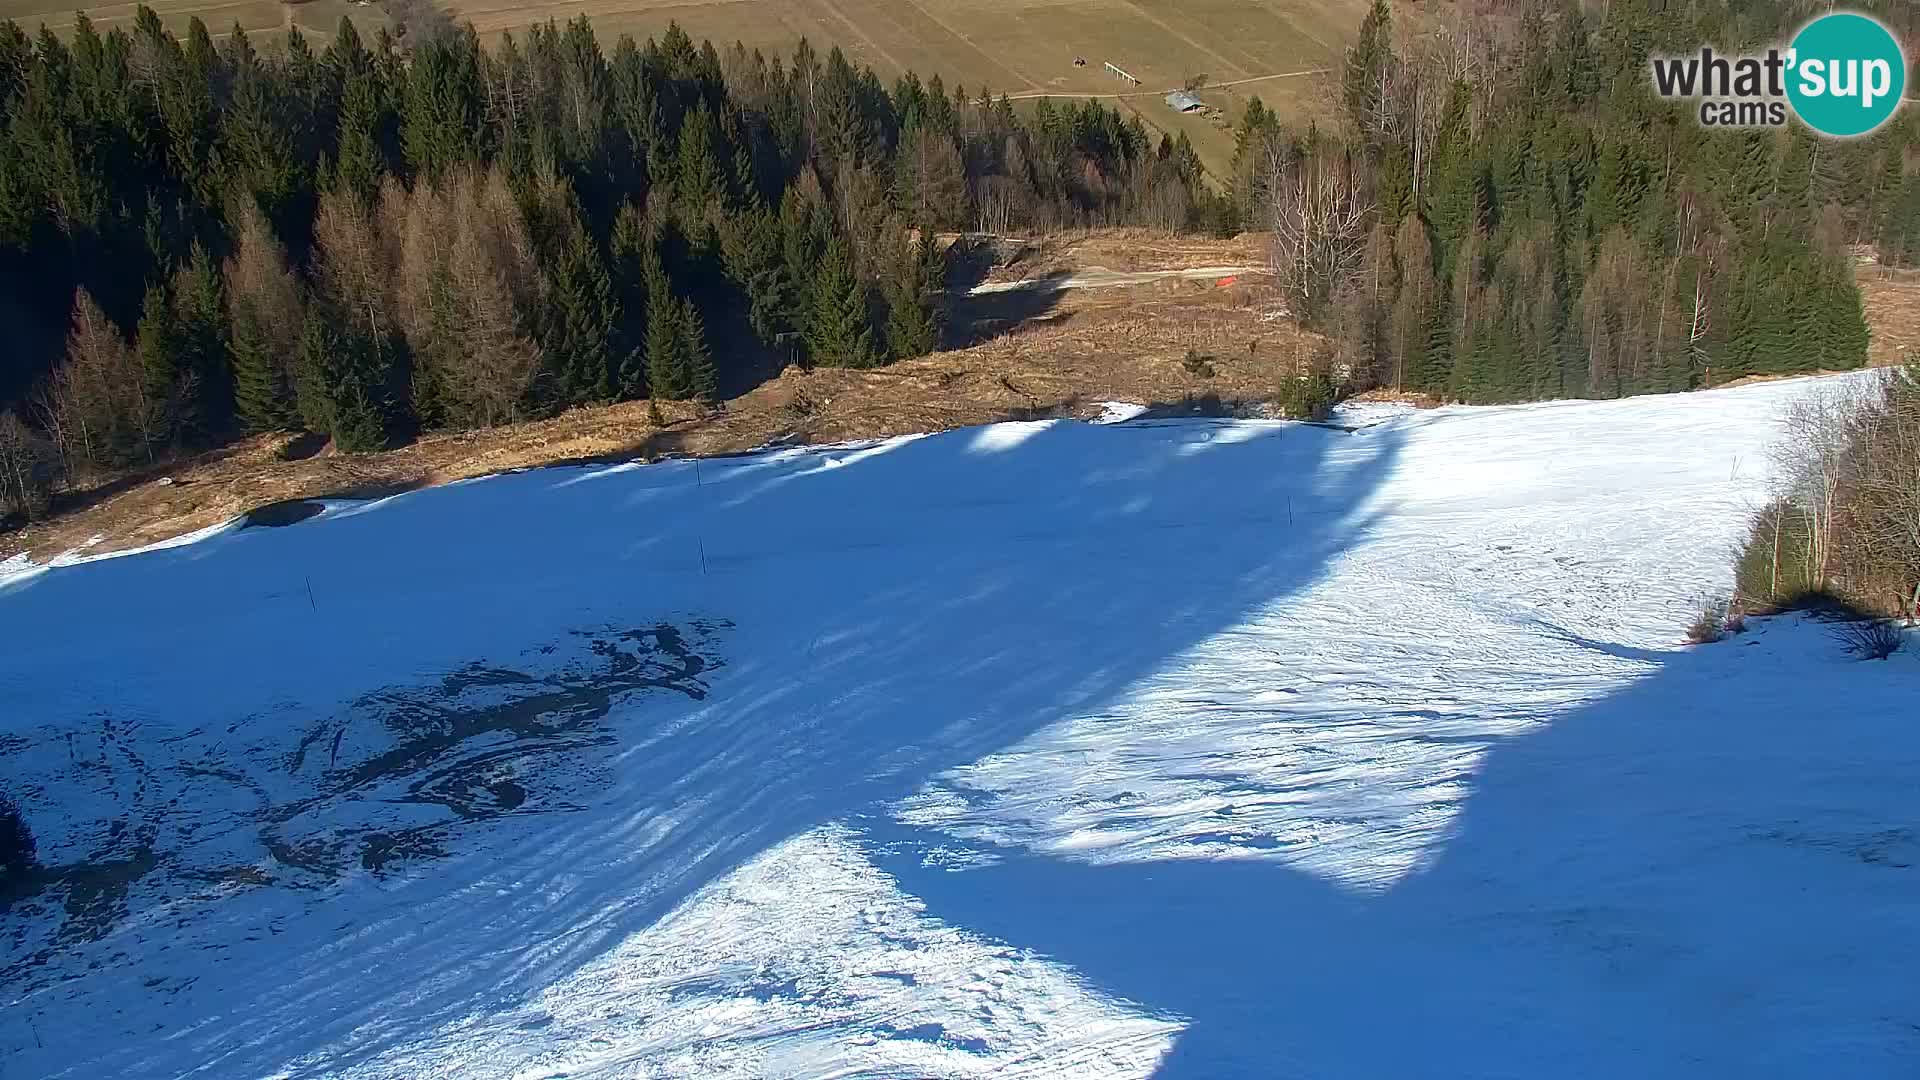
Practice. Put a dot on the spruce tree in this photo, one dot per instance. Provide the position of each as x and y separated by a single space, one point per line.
358 160
345 395
912 292
667 373
752 247
201 315
1369 55
806 227
261 396
702 381
581 316
166 377
633 252
837 331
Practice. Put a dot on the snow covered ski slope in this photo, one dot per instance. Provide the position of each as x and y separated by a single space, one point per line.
1178 749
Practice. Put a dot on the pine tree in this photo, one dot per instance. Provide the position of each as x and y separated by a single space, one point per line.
201 316
668 376
752 249
256 150
633 252
1369 56
358 160
912 291
806 227
167 378
441 123
837 331
582 315
702 381
697 177
261 395
264 309
344 376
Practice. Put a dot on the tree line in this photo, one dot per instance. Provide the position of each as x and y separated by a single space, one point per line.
200 240
1511 213
366 240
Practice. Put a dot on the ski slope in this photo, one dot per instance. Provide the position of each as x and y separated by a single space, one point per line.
1145 748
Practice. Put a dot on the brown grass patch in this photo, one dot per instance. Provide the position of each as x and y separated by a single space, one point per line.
1892 299
1123 344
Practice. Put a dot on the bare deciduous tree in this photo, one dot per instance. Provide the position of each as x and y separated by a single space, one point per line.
98 401
1882 503
1815 455
259 279
467 280
27 465
1318 209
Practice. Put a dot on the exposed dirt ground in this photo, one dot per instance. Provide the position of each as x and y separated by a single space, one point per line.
1035 355
1892 298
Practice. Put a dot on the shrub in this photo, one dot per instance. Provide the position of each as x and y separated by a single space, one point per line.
1311 394
1710 625
1870 639
1308 397
1197 363
17 852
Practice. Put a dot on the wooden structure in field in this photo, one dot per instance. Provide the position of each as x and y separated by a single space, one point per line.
1114 70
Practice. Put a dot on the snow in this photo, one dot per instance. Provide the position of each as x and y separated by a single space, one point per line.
1118 412
1185 748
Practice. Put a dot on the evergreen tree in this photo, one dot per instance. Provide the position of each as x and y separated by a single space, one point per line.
806 227
837 330
668 374
912 292
752 248
346 397
582 317
633 254
1366 60
358 158
202 320
261 394
701 380
167 378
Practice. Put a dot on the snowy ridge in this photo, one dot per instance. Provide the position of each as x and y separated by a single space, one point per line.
1054 749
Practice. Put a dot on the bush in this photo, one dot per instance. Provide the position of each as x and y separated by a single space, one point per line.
1710 625
1197 363
17 852
1870 639
1312 394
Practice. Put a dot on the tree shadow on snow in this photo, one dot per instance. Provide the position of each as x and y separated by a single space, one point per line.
1715 872
901 610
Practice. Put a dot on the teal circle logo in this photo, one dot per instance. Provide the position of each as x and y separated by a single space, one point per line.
1846 74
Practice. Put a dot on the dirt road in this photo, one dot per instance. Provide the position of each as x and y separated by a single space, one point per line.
1099 277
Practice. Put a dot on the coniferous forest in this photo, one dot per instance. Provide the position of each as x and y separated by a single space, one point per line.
204 238
1511 213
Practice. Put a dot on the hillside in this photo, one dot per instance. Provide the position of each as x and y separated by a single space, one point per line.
1184 748
1038 353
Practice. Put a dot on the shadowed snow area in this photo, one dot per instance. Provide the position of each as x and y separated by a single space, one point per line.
1146 748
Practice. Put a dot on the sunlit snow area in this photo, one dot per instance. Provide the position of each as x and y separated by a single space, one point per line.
1147 747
